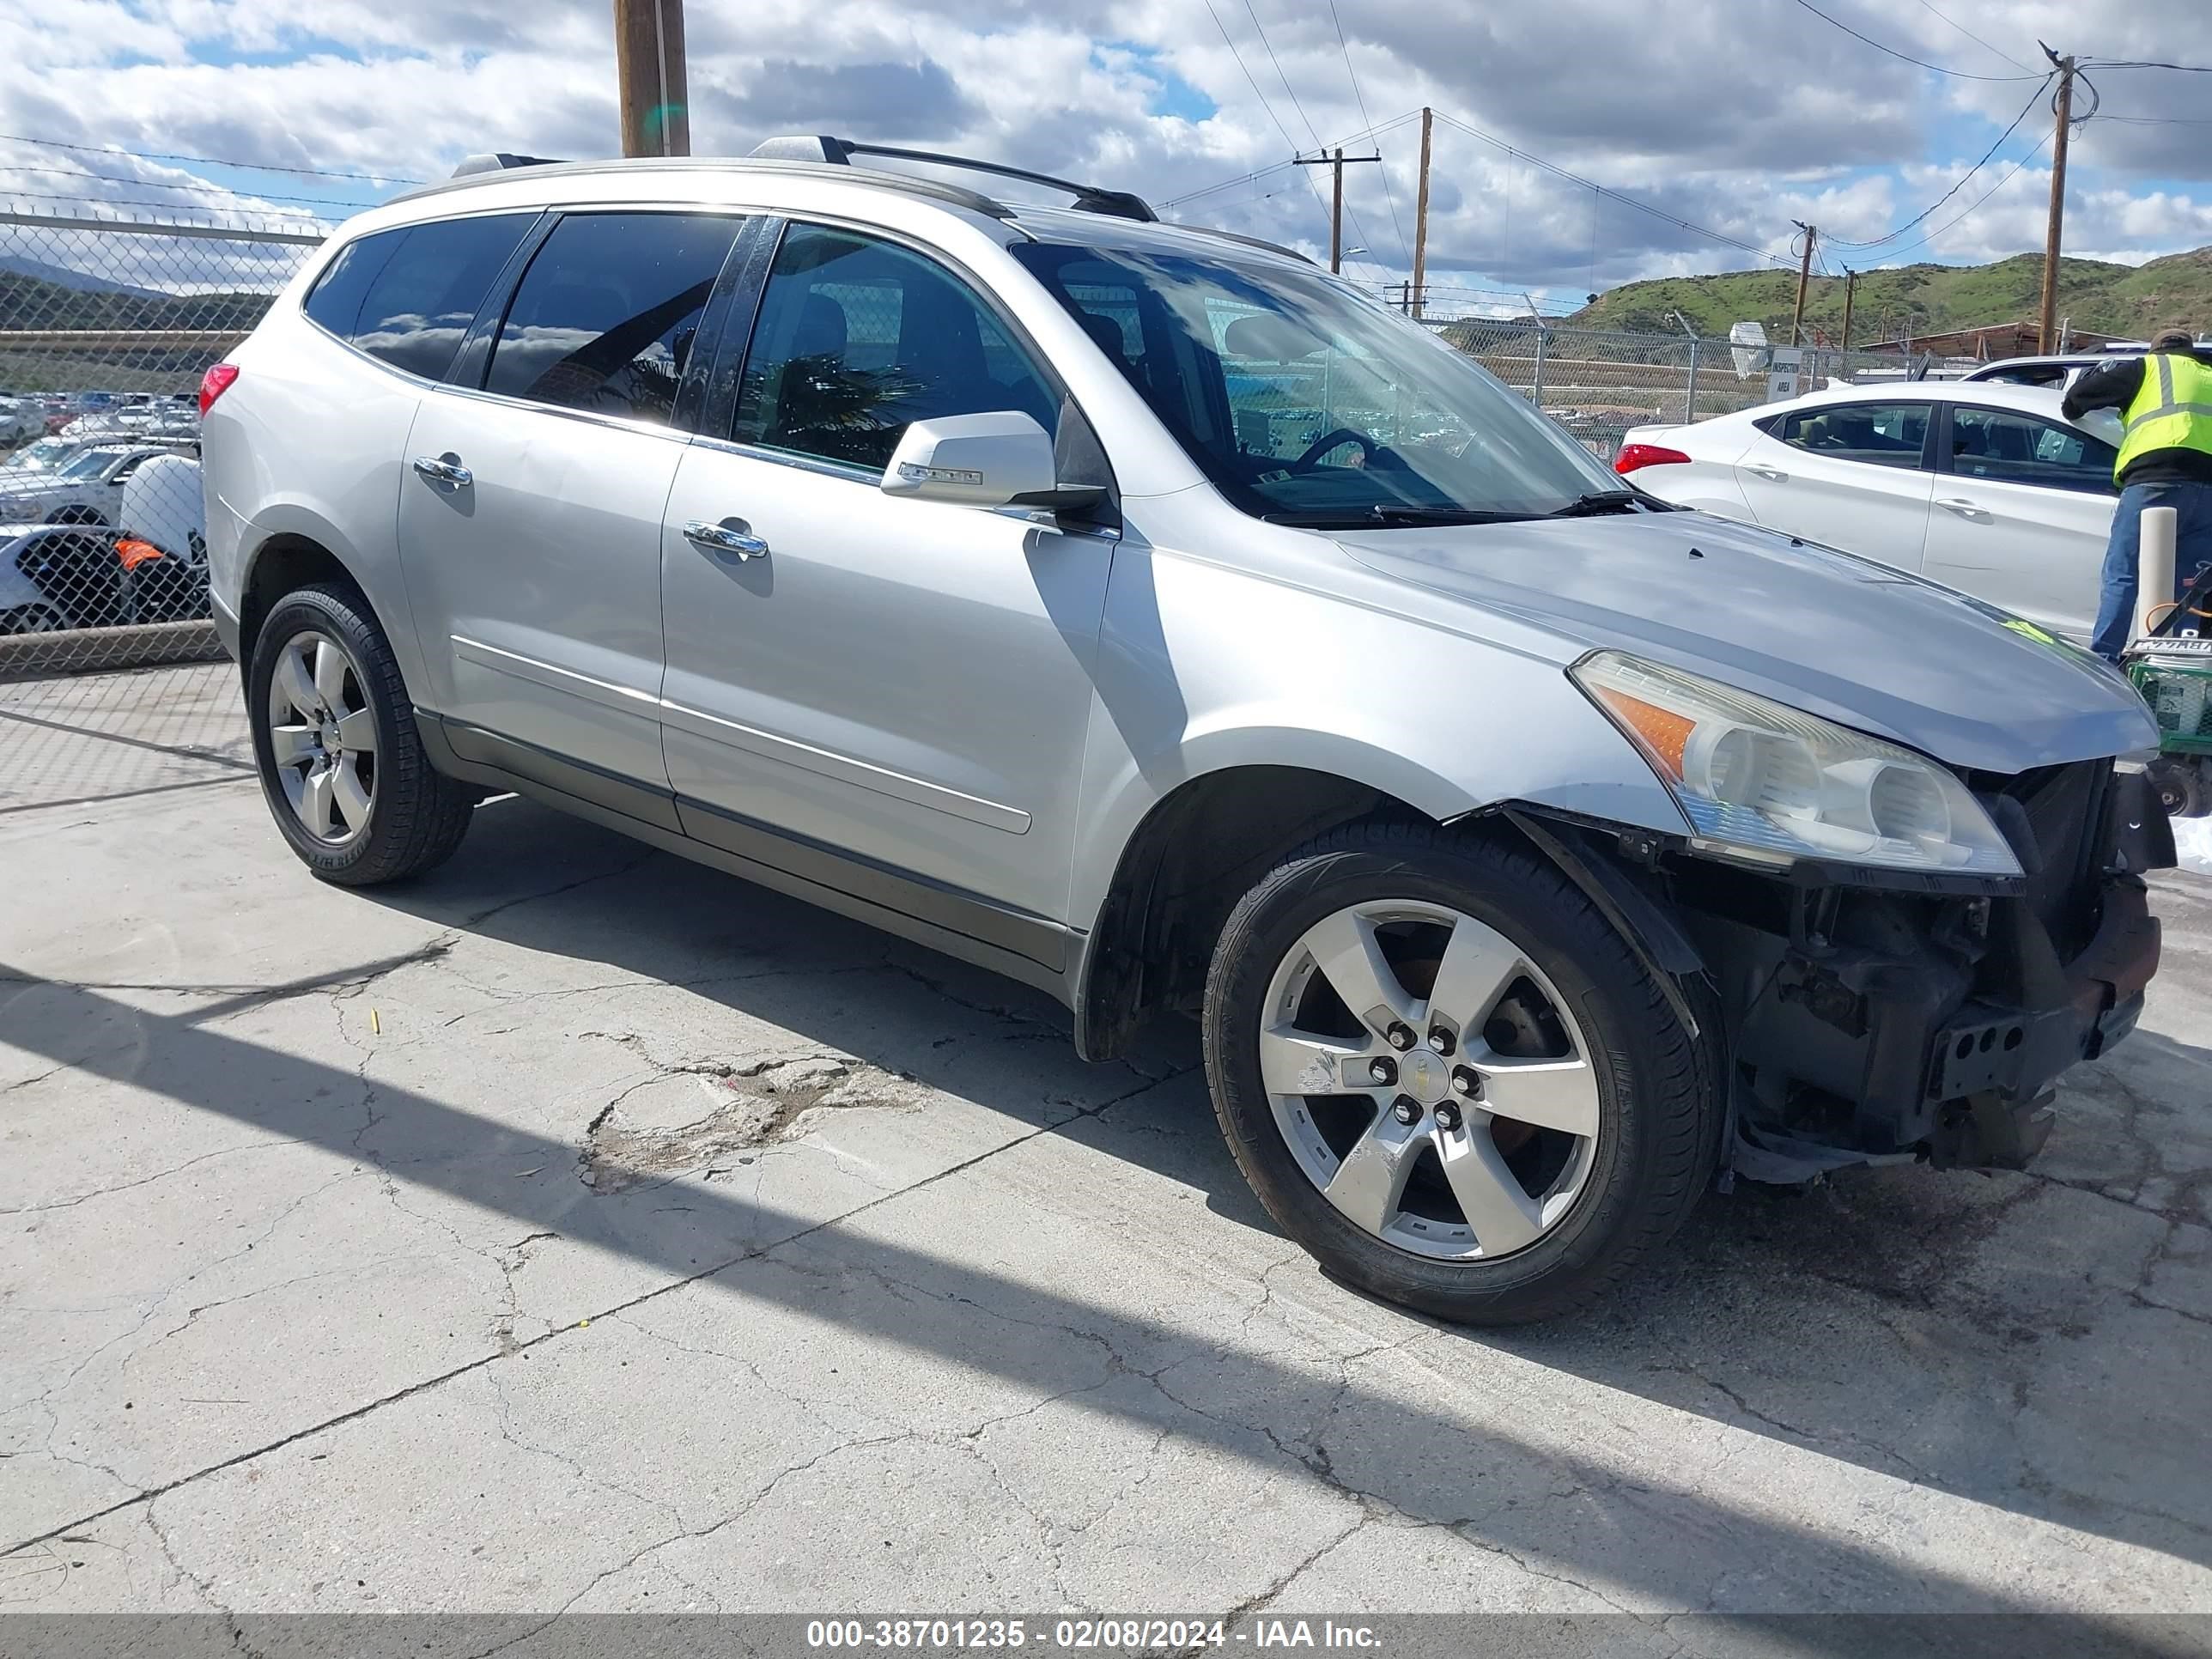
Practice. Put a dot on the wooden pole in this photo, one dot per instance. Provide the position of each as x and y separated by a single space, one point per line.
1851 292
649 71
1421 220
2046 333
1804 276
1334 161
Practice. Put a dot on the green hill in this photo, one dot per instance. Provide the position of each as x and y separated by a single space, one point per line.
2119 299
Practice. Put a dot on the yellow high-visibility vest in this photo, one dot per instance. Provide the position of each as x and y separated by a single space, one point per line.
2173 410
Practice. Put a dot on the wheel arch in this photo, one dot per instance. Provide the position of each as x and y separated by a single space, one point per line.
281 563
1190 857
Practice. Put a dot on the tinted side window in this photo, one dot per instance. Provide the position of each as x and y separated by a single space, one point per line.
408 295
856 338
605 317
1880 434
2010 448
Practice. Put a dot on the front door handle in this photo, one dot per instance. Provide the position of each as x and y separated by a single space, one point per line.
1963 507
1771 474
445 471
732 536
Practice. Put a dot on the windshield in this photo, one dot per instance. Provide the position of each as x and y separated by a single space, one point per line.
89 462
1307 403
41 457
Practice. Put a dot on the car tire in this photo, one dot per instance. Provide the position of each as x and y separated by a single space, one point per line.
2184 785
1577 1007
400 817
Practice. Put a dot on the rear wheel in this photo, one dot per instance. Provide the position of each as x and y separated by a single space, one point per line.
1447 1076
2184 785
341 762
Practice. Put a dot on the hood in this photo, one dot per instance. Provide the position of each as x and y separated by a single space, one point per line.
1839 636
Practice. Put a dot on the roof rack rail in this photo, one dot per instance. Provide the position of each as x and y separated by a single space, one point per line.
500 161
1088 199
1251 241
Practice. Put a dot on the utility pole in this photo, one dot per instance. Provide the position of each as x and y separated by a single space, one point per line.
1851 292
2046 333
656 119
1804 276
1421 220
1336 163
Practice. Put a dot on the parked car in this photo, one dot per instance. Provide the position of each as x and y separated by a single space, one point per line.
85 488
1981 485
1530 851
63 576
19 421
2060 370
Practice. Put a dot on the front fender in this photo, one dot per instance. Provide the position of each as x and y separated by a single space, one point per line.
1204 668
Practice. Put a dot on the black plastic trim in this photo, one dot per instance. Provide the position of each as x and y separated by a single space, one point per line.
1027 947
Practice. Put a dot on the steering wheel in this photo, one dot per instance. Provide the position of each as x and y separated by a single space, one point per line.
1336 440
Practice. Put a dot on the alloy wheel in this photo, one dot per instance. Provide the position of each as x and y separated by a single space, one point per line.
1430 1080
322 737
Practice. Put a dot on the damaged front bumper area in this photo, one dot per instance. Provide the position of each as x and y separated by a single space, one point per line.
1866 1021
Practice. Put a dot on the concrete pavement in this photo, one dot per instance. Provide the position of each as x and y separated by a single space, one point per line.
582 1228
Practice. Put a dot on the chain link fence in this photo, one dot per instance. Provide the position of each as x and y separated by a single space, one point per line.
105 327
1599 383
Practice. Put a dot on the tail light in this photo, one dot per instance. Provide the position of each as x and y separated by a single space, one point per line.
216 381
1631 456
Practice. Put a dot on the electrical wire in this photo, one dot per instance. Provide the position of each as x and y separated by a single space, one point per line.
1264 104
2137 63
1558 171
205 160
1906 57
1312 131
1961 183
1926 6
1388 196
1973 207
1278 167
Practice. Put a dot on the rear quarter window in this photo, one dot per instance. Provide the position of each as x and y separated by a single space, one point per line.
408 296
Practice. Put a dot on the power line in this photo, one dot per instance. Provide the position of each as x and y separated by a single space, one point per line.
1906 57
1404 248
1973 207
1928 7
1312 131
1553 168
1278 167
2108 62
205 160
1262 96
2033 98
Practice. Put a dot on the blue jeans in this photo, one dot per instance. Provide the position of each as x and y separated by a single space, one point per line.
2193 503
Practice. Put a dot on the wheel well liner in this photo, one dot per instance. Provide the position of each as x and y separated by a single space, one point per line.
281 564
1198 850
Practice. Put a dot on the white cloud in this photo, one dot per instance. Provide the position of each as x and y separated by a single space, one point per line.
1734 119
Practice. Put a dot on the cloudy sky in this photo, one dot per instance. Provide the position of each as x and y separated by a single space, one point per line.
1712 123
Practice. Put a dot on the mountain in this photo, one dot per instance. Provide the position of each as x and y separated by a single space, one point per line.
75 280
2132 300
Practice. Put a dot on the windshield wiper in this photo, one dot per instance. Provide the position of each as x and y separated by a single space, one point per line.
1394 513
1608 500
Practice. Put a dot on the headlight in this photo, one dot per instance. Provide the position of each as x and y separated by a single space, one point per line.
1769 784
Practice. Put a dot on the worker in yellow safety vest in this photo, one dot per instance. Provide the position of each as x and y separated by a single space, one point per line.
2165 400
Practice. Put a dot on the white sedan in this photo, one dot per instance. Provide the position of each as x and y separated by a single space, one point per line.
1981 486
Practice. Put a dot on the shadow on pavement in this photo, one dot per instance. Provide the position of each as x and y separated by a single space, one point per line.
1745 1261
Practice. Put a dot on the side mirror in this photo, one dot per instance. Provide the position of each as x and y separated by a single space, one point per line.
999 459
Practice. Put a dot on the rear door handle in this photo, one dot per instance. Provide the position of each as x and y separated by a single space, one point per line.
1963 507
445 471
732 536
1771 474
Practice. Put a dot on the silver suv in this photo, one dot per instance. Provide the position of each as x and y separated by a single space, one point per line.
1140 613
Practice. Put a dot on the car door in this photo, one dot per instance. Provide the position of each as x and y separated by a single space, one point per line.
888 696
2023 508
1851 474
530 516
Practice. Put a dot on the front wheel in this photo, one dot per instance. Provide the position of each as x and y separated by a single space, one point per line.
2185 786
1447 1076
334 737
